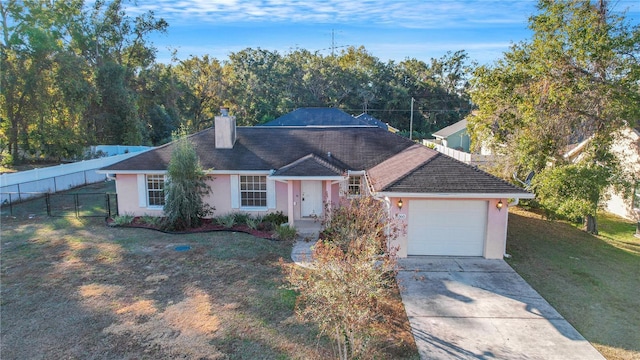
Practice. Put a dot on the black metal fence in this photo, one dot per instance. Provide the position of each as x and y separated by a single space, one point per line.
61 205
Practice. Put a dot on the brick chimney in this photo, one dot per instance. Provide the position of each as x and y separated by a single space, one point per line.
225 128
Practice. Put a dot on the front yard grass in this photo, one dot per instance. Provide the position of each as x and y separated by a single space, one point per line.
76 288
593 281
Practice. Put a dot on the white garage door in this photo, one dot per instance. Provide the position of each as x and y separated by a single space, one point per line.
447 227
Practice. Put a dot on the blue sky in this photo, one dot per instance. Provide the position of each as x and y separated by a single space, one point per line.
388 29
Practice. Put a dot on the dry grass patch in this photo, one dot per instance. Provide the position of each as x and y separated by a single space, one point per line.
79 289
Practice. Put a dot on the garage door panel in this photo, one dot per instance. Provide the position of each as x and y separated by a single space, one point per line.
447 227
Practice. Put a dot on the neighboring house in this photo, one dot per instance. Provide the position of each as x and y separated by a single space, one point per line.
454 136
626 148
454 141
328 117
375 122
448 207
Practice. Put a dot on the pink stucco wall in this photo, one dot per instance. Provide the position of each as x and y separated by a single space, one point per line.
219 198
128 197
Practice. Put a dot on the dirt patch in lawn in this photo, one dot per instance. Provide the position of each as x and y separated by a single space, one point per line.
79 289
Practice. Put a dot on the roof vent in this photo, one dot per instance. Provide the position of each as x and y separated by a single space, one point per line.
329 154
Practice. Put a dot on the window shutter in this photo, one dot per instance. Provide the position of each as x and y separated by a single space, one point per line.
235 191
271 194
142 190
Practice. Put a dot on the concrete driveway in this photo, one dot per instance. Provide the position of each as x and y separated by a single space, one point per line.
472 308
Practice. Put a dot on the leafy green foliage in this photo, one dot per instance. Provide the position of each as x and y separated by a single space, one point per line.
184 206
125 219
351 277
571 191
286 232
276 218
76 74
228 221
576 79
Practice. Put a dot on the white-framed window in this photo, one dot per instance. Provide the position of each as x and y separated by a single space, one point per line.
155 190
355 185
253 191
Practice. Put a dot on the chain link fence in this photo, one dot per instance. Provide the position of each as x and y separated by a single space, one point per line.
95 200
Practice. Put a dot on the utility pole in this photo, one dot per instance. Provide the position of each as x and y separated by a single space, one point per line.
333 43
411 122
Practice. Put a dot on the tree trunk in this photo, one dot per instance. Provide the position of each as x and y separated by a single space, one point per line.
590 224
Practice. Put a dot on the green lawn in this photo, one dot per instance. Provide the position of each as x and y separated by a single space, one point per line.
593 281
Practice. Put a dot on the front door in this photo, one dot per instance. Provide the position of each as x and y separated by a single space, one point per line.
311 198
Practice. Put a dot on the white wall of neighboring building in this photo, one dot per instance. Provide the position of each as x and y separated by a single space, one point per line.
627 148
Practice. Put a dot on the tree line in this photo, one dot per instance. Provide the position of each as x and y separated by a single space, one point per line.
75 75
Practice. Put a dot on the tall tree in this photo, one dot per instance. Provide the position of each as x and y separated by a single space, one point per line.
205 90
579 78
184 207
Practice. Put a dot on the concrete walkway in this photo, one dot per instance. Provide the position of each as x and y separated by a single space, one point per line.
473 308
308 232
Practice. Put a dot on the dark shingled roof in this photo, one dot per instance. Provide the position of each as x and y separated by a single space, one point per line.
271 148
393 163
443 174
310 165
400 165
321 117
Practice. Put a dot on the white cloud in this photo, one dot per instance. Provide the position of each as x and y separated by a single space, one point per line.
407 13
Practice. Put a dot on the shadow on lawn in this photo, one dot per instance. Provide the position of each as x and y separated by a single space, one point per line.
591 282
79 292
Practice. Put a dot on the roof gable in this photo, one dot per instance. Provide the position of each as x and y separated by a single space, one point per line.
451 129
310 165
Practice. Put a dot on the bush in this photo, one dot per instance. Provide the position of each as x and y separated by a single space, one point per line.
123 219
265 226
351 279
276 218
253 222
241 218
228 221
151 220
286 232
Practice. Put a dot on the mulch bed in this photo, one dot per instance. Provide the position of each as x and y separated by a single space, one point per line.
207 225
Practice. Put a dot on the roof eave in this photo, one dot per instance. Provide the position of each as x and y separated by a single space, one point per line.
283 178
131 172
458 195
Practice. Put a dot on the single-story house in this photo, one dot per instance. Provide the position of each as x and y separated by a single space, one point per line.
449 208
454 136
